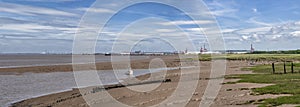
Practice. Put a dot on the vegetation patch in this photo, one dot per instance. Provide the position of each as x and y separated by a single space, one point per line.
253 57
283 84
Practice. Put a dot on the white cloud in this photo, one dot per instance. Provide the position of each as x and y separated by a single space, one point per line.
252 37
32 27
297 23
224 12
187 22
31 10
224 9
295 34
25 27
195 29
96 10
254 10
276 37
244 37
209 30
279 32
254 21
228 30
254 30
165 30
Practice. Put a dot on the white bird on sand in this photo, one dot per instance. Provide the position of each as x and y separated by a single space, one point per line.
130 72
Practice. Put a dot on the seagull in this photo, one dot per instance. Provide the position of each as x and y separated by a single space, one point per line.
130 72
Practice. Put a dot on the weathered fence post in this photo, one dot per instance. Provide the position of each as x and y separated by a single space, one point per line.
284 69
273 67
292 67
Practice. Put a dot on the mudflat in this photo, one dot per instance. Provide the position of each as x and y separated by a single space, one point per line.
18 64
229 94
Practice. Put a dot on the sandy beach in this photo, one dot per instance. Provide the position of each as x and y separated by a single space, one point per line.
229 95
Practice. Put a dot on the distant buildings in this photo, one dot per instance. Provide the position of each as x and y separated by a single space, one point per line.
237 51
203 50
140 53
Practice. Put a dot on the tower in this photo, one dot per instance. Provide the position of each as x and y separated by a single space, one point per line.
252 49
201 50
186 51
204 49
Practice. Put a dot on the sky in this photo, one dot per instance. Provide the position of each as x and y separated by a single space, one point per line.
35 26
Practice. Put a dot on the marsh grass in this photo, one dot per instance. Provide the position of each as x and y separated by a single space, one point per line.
253 57
279 68
283 84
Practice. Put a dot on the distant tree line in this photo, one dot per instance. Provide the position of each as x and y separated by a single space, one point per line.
277 52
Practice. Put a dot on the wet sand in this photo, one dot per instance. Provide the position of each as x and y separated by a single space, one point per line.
22 60
229 95
30 85
63 63
39 77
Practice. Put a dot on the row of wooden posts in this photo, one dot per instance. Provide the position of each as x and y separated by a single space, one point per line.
284 68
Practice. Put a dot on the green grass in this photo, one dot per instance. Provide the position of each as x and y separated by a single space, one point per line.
255 57
279 68
284 84
281 100
280 88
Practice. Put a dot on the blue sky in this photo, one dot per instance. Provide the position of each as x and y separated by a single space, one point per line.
43 25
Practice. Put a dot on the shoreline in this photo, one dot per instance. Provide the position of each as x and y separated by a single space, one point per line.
105 87
170 61
46 94
53 69
122 94
64 97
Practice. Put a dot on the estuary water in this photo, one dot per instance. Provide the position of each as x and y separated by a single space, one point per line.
29 85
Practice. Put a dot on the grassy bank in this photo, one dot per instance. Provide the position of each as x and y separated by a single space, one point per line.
284 84
279 68
254 57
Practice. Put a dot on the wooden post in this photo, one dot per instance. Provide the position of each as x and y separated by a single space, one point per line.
292 67
284 68
273 67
